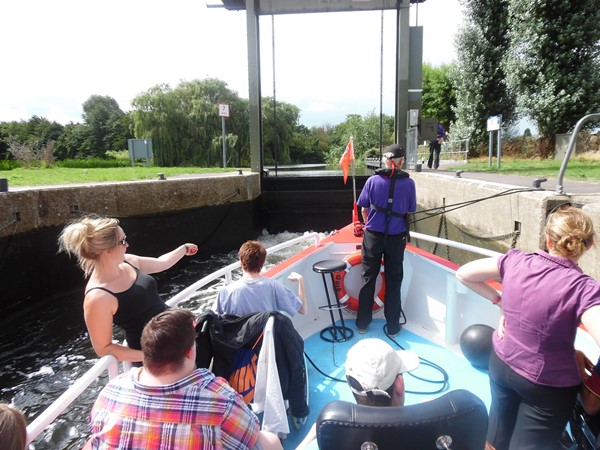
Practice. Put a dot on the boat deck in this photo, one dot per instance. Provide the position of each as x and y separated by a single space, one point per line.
330 358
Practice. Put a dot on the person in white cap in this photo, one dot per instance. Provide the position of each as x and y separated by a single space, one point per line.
374 374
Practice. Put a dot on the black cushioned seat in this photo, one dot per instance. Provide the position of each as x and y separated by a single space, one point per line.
459 415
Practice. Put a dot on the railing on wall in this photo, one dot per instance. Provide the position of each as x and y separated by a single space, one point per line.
453 153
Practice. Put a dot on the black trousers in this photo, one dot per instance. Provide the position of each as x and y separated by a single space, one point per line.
434 155
525 415
391 248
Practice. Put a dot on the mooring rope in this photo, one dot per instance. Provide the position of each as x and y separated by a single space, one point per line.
8 224
443 224
448 208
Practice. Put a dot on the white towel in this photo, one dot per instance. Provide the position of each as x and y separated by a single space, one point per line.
268 397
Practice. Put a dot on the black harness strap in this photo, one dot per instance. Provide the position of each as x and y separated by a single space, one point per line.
389 213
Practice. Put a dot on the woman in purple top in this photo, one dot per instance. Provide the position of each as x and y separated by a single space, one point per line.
534 376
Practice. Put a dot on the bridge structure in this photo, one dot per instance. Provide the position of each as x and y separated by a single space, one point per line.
409 59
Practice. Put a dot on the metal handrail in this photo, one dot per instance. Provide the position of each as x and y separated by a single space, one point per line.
454 244
227 270
563 167
108 363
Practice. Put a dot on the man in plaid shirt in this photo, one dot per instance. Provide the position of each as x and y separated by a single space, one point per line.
168 404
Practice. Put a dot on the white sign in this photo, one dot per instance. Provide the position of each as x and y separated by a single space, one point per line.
493 123
223 110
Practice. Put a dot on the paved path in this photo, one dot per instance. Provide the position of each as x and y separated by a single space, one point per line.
569 186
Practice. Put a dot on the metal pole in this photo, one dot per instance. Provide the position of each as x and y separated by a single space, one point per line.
490 151
224 142
563 167
499 141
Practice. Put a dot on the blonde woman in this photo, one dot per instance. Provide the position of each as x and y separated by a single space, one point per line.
534 376
120 290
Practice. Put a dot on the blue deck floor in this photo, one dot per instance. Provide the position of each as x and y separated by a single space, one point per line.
330 358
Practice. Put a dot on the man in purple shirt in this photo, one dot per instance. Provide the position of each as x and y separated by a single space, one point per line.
386 200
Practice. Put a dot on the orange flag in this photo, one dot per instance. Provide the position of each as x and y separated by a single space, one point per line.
346 158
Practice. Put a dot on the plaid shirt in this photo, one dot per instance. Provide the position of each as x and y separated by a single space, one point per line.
200 411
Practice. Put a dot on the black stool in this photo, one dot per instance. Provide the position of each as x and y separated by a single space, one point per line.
336 333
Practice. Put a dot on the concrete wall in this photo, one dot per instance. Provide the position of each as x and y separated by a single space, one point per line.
28 210
507 209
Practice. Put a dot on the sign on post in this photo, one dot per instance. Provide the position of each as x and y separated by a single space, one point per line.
224 110
224 113
494 123
139 149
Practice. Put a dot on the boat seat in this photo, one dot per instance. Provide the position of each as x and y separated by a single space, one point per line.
333 333
459 419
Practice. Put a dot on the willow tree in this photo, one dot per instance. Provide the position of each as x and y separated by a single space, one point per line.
480 81
279 125
554 65
183 122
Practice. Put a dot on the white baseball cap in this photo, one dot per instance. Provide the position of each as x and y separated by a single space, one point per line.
375 365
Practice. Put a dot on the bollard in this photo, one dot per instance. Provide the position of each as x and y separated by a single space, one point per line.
3 184
417 167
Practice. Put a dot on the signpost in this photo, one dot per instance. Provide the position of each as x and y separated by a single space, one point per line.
494 123
224 113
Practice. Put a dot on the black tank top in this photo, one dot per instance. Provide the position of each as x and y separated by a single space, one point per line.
137 305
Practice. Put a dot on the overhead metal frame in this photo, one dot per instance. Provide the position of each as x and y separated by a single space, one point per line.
256 8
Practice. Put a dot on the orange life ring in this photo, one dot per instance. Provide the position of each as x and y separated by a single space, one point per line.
349 281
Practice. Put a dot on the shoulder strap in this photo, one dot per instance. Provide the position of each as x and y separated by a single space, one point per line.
101 289
389 213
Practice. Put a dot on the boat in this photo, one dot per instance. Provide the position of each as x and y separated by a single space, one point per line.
437 308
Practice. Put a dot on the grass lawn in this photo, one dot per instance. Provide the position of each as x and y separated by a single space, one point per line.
579 169
62 175
586 168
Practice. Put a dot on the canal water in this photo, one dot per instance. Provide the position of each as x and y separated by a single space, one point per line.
42 354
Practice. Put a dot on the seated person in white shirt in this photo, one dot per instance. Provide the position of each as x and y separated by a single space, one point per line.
254 293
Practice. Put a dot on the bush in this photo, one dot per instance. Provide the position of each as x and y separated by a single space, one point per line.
9 164
118 154
31 153
92 163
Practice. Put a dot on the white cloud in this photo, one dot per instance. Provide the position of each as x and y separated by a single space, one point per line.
57 54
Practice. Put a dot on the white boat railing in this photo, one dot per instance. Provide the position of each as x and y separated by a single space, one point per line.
108 363
454 244
227 270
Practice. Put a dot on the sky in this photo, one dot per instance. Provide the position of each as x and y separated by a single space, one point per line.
56 54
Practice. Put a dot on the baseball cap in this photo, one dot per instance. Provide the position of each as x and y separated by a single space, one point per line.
394 151
375 365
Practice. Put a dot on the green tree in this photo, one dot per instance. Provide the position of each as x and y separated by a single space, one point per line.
439 98
479 77
554 65
103 118
365 135
71 142
36 132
